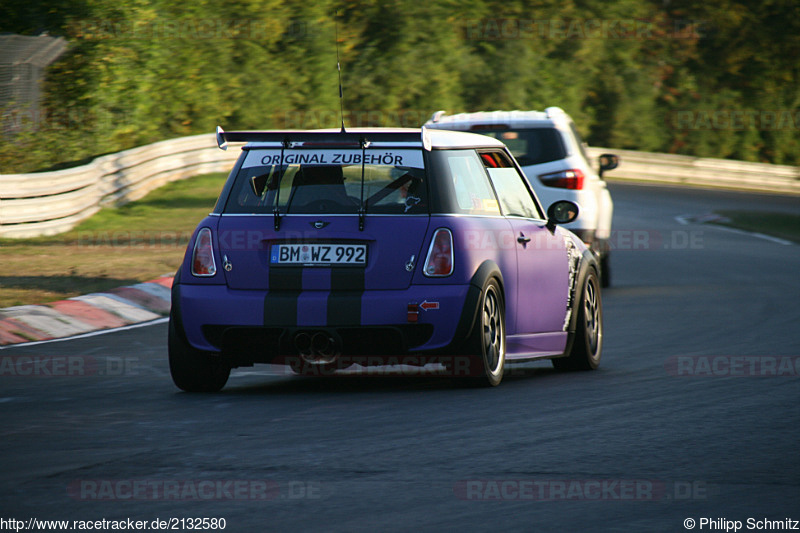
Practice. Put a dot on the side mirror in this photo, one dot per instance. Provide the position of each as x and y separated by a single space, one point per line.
561 212
607 162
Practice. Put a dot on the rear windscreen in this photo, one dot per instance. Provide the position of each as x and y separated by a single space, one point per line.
530 146
329 181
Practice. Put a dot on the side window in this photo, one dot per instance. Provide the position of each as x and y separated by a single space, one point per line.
473 193
513 193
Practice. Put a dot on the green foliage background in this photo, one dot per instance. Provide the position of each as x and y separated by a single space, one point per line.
140 71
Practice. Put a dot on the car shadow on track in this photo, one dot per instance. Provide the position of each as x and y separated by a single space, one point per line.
268 383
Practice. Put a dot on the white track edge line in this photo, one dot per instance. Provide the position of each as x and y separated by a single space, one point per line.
89 334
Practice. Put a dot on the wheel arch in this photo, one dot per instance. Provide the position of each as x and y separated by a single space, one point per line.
175 306
588 262
469 314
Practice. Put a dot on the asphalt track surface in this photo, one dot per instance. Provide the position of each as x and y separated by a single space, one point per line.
638 445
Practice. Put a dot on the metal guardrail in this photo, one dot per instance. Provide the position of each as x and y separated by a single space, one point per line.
48 203
702 171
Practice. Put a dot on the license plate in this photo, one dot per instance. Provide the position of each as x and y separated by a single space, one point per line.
319 254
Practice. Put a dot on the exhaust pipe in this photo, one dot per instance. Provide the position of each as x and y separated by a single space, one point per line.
323 345
302 343
321 348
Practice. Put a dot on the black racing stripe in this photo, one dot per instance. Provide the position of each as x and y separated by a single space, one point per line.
344 301
286 278
280 304
344 308
347 279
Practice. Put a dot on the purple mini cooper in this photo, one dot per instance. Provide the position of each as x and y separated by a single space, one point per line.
328 249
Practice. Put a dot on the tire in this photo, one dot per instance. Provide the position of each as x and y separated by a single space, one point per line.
193 370
487 343
605 270
587 345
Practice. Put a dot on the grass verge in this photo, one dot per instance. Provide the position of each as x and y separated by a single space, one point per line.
118 246
781 225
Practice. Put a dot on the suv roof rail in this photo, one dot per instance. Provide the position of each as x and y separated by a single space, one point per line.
553 111
333 138
437 116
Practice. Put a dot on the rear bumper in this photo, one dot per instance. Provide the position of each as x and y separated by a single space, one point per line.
232 322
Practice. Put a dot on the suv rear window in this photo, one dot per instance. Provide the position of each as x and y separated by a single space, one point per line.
329 182
530 146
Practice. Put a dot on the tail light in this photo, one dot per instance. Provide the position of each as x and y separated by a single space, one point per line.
203 255
564 179
440 255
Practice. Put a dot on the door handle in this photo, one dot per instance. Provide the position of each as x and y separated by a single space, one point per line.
522 239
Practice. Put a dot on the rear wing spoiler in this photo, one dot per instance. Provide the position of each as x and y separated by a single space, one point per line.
327 139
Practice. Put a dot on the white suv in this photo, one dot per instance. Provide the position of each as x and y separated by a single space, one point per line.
551 153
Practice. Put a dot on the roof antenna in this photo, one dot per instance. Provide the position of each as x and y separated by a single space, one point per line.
339 69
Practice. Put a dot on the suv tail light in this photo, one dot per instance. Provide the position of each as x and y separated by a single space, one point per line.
440 255
564 179
203 255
